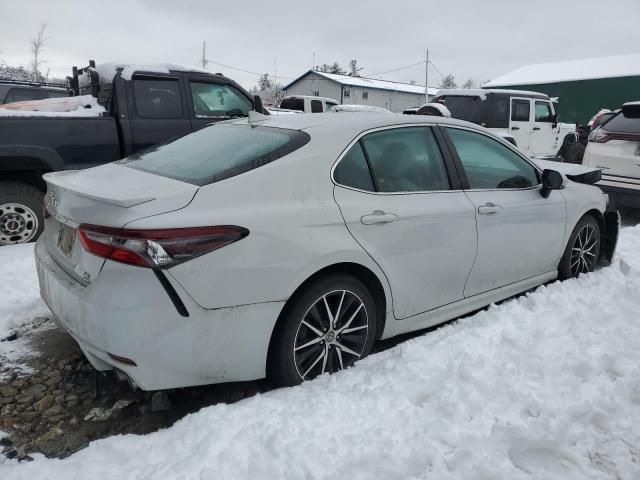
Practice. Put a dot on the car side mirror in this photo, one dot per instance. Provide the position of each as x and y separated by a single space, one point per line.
257 105
551 180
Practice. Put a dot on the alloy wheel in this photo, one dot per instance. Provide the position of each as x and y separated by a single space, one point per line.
584 253
331 335
18 224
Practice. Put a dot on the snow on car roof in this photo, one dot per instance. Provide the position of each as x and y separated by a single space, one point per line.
482 93
370 83
585 69
108 70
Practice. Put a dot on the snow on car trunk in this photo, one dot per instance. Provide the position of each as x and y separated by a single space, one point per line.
546 386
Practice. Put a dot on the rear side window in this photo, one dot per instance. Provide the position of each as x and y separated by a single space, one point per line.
622 124
217 152
23 95
520 110
293 104
353 171
157 98
316 106
405 160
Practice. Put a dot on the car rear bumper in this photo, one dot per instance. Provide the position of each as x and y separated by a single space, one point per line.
622 194
126 314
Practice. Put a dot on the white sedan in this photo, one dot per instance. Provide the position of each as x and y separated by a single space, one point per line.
286 246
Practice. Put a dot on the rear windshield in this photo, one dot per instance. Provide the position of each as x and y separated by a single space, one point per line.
217 152
622 124
461 107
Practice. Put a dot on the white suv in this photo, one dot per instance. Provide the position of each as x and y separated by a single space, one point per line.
615 147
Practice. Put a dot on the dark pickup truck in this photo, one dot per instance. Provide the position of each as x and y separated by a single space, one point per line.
144 106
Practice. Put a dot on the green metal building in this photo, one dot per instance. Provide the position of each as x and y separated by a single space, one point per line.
583 87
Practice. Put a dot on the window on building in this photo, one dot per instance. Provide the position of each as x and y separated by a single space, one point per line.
315 93
346 93
157 98
365 95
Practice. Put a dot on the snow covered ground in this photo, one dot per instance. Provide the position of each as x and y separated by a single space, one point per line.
19 296
545 386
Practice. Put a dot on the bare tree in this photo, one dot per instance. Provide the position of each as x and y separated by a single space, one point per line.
448 81
37 47
354 70
470 83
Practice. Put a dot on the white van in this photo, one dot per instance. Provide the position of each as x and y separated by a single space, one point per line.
308 104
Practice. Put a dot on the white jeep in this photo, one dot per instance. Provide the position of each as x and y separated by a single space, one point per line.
527 119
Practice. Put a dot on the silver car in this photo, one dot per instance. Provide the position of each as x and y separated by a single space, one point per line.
286 246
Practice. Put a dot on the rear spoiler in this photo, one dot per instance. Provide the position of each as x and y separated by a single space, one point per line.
574 172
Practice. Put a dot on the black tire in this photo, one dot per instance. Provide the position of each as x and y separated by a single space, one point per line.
574 154
574 262
21 215
291 362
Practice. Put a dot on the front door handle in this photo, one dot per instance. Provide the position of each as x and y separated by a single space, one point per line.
536 128
378 216
515 128
489 209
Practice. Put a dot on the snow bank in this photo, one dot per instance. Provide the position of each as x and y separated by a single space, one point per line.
546 386
20 295
81 106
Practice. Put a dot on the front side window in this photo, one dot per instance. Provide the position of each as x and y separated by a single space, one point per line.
331 106
316 106
217 152
543 112
490 165
353 171
520 110
157 98
215 100
405 160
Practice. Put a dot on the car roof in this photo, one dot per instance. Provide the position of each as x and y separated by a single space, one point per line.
354 122
483 92
312 97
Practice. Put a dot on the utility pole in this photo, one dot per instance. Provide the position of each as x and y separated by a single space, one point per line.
204 54
426 79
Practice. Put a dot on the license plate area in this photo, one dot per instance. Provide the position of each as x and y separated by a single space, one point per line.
66 239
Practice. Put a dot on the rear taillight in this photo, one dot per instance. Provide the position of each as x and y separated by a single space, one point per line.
603 136
156 248
45 210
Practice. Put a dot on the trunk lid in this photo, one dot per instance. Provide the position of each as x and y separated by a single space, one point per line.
110 195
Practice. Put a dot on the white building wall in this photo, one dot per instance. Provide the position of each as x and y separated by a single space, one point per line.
314 84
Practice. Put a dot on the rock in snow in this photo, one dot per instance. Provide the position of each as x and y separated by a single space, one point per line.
545 386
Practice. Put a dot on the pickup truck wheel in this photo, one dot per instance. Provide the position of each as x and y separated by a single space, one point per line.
21 217
574 154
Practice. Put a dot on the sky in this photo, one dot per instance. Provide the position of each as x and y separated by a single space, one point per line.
470 39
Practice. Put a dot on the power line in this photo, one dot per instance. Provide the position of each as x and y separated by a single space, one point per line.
397 69
243 70
438 71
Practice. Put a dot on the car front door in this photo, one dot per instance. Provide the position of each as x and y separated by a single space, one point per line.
520 233
520 122
156 110
403 206
213 102
542 141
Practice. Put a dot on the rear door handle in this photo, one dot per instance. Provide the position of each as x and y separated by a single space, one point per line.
515 128
378 216
536 128
489 209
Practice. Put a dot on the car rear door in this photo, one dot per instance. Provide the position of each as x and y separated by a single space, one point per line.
520 233
520 124
402 203
157 110
543 138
